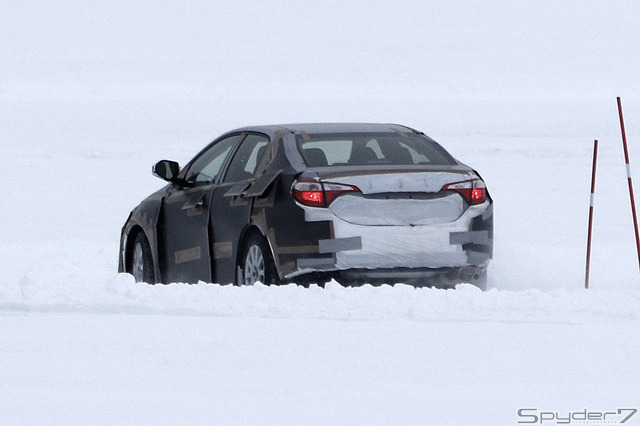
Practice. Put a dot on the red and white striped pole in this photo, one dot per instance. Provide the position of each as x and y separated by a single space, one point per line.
591 202
626 159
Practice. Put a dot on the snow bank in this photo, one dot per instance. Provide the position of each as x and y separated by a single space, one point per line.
119 294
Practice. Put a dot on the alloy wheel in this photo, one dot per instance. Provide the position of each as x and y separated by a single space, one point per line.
138 263
254 269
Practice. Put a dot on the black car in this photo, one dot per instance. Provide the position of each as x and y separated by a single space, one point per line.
360 203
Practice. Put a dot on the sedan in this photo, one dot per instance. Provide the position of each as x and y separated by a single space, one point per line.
307 203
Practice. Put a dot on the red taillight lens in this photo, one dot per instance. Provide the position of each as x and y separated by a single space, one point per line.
319 194
478 195
474 191
308 193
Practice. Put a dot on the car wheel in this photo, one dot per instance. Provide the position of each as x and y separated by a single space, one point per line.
256 263
464 275
141 260
481 282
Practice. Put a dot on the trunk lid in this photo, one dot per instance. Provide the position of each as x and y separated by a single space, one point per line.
399 197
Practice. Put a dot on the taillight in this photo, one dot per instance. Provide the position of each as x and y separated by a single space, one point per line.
474 191
308 193
332 190
319 194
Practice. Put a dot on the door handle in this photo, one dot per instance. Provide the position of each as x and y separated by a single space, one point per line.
196 202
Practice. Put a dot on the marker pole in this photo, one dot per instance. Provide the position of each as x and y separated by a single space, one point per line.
593 191
626 159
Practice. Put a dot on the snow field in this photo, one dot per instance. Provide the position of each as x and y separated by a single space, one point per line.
92 95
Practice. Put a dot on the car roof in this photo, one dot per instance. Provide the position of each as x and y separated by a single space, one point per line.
319 128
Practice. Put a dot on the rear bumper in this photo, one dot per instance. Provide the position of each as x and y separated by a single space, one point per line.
441 277
398 246
467 241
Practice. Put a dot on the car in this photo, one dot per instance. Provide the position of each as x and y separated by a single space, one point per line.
307 203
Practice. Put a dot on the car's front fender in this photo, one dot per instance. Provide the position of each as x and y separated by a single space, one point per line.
145 218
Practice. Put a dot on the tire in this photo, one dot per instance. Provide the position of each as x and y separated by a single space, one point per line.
256 263
464 275
141 260
478 279
481 282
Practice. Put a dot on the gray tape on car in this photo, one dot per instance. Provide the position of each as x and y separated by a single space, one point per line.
237 189
262 183
487 213
477 258
187 255
222 250
469 237
292 153
316 264
297 249
340 244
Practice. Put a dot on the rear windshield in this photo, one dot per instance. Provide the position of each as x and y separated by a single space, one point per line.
363 149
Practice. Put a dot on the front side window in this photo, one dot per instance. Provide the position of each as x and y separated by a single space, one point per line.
246 158
207 166
364 149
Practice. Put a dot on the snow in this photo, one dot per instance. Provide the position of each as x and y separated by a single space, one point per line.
92 95
133 353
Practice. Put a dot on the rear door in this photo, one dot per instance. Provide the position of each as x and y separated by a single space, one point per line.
231 208
184 223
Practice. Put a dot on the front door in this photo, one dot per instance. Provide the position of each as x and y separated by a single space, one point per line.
184 222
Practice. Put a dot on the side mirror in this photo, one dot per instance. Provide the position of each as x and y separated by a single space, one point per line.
167 170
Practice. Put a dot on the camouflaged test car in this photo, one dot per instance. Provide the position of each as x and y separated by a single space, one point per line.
311 202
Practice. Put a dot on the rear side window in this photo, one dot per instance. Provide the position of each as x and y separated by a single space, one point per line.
245 160
363 149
